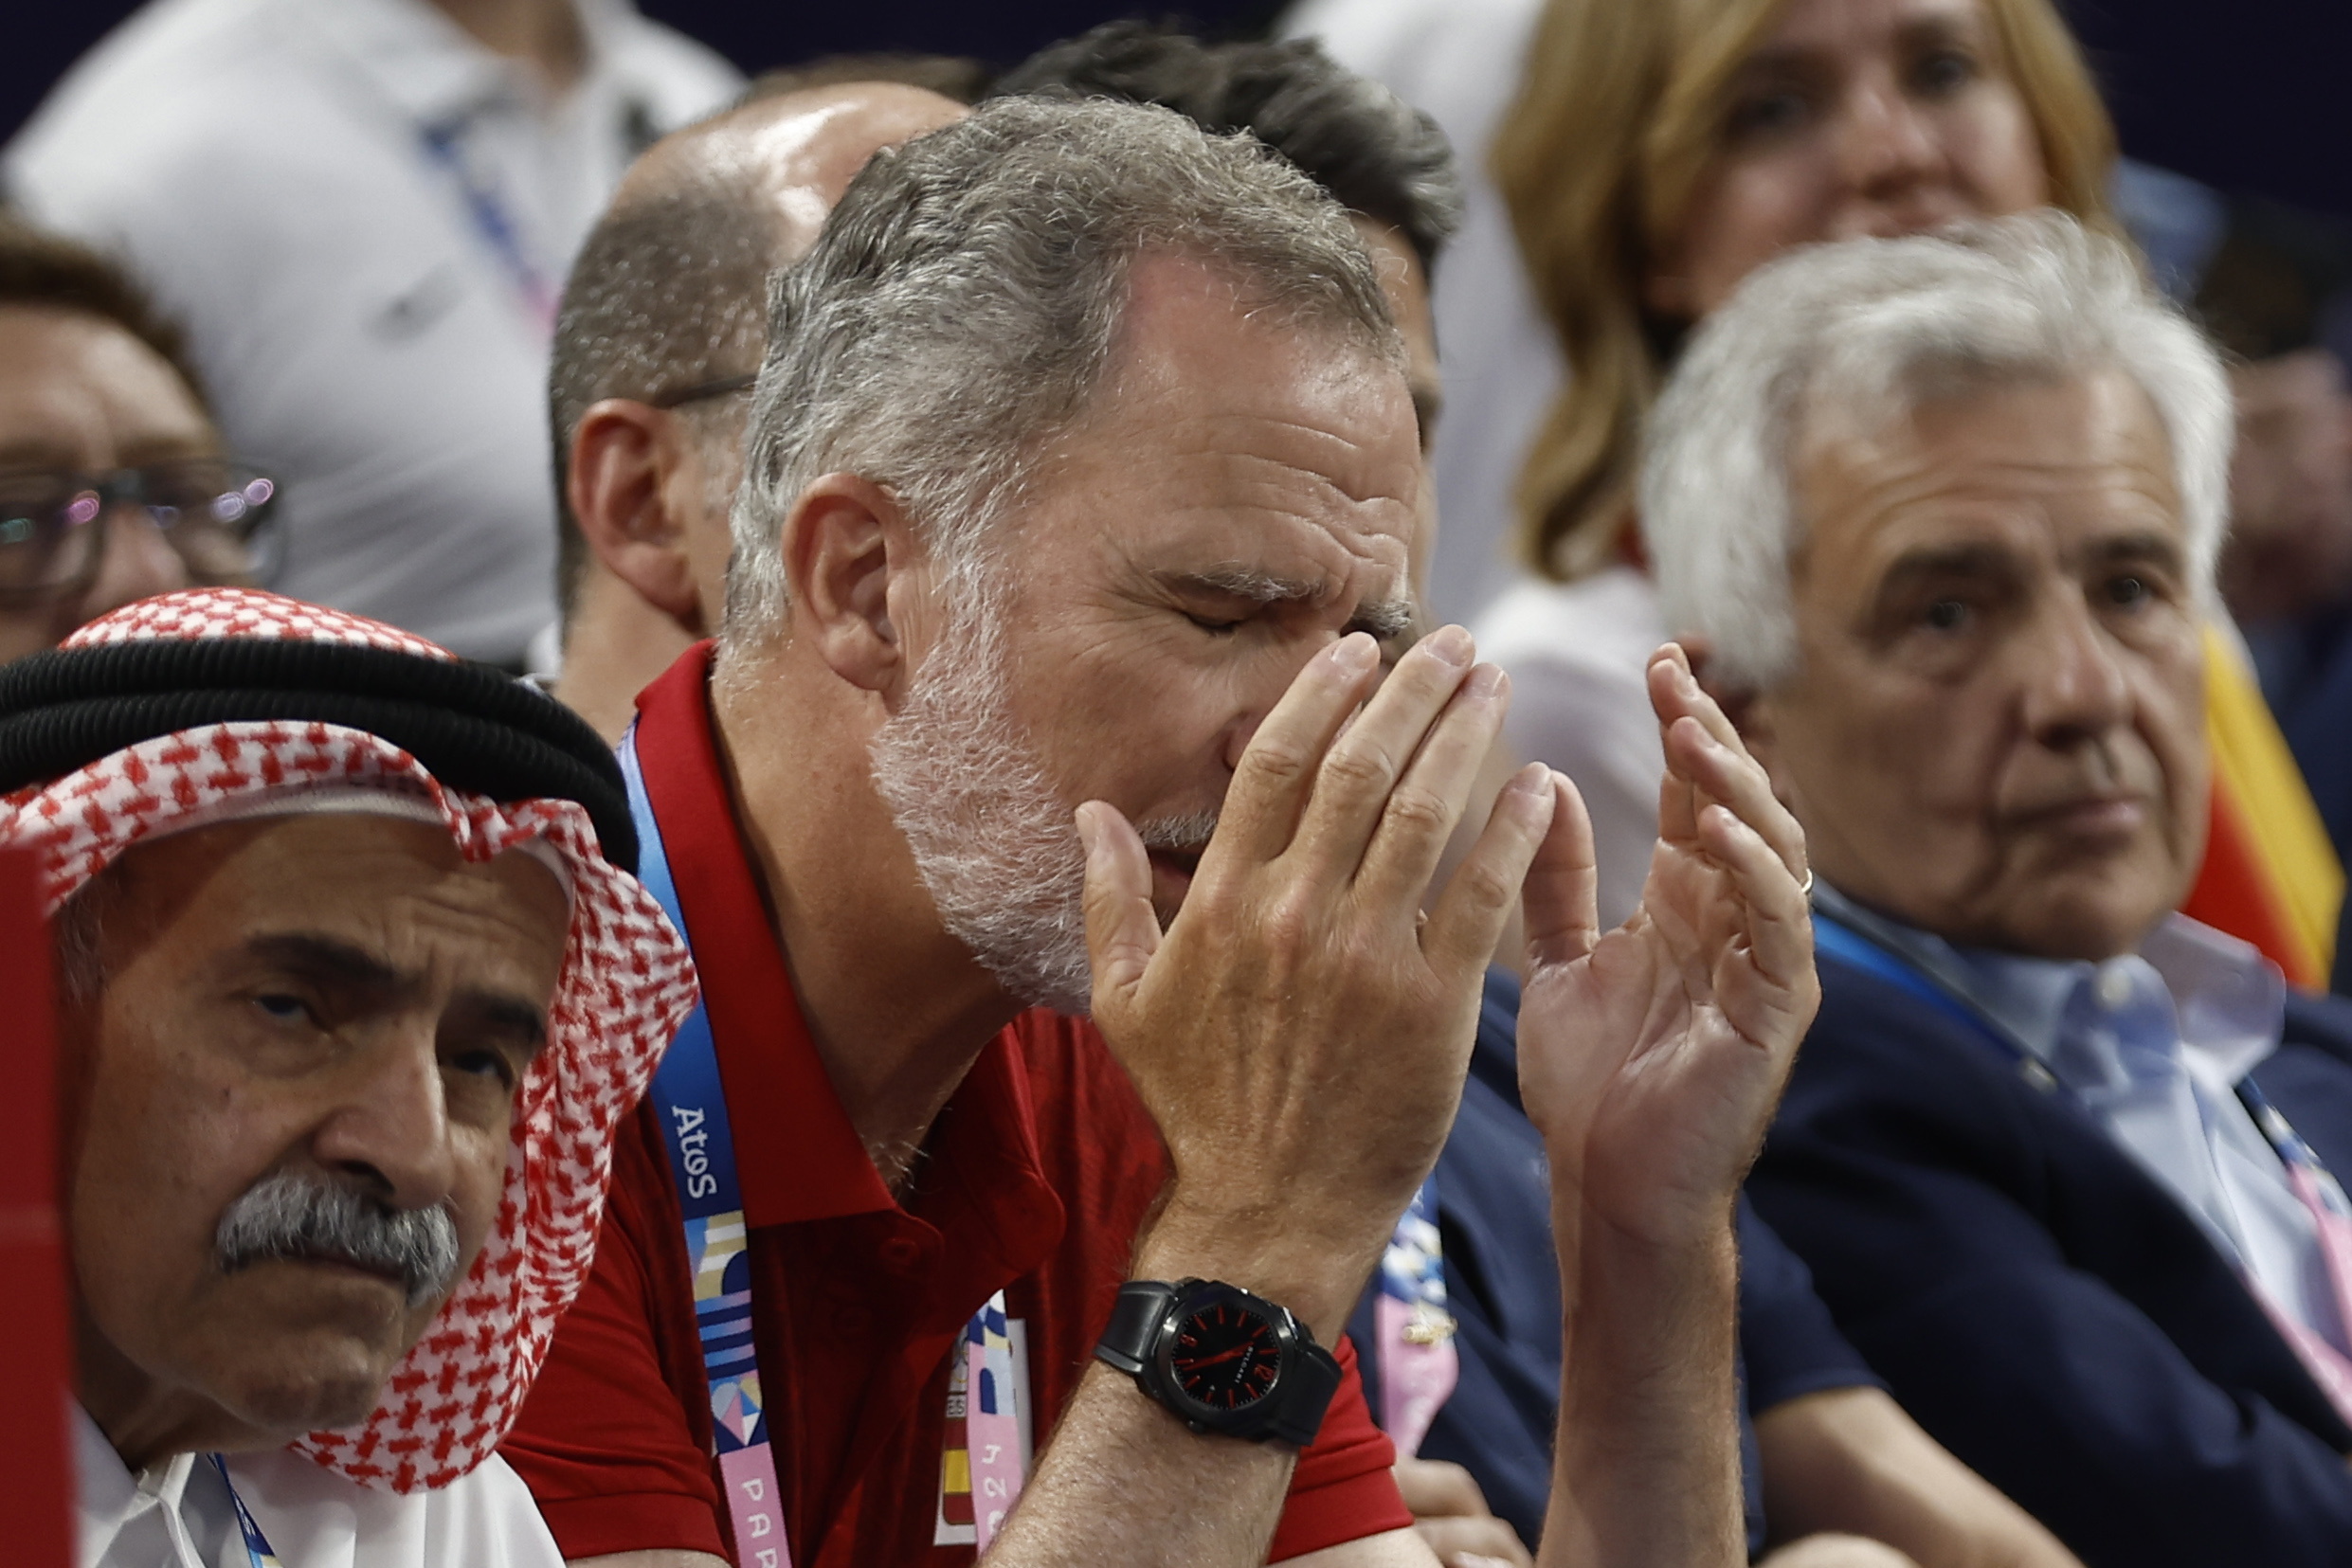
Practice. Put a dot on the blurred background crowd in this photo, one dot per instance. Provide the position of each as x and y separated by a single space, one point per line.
394 387
281 280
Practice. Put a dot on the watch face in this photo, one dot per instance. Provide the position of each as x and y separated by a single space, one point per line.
1225 1357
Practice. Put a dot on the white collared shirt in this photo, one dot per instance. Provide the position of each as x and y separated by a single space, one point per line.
266 168
2153 1045
178 1514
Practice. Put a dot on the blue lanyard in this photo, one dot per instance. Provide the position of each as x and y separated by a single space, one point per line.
1851 946
256 1544
690 1102
489 215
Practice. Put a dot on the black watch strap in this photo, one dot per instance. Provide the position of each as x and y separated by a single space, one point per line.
1292 1413
1133 1331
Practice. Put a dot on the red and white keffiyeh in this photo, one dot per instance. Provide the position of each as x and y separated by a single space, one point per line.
625 986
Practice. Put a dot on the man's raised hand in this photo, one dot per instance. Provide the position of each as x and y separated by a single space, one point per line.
1651 1057
1300 1032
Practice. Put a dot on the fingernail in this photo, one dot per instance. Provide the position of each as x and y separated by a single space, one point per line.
1484 682
1088 831
1534 779
1452 644
1356 652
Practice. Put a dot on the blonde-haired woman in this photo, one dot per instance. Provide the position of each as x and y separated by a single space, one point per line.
1661 149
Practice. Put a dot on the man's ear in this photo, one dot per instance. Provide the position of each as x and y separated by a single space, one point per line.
623 456
846 542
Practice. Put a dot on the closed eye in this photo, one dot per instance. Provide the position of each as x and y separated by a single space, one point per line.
1213 625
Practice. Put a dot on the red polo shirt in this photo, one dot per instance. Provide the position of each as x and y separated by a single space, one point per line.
1040 1171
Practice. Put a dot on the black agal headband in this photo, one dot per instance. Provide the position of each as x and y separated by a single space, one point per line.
473 727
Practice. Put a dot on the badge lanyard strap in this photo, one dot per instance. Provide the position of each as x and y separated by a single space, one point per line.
690 1102
2308 1177
491 220
256 1544
1842 942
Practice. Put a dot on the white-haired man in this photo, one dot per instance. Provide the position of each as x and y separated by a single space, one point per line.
920 790
354 1001
1946 510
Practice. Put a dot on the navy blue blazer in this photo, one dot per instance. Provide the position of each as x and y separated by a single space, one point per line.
2040 1304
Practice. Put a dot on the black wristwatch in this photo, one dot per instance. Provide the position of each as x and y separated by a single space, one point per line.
1225 1360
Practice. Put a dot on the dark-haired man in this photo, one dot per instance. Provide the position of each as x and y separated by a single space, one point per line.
659 334
113 483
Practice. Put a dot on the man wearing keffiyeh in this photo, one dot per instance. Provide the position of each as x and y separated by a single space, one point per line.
356 986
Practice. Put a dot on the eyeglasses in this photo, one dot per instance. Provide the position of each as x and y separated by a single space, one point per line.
217 515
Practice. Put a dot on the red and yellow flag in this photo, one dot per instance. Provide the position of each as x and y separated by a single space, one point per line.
2271 877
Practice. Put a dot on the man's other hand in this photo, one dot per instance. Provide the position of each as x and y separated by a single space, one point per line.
1651 1057
1450 1513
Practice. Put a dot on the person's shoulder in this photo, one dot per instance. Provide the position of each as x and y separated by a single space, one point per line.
174 62
1422 47
684 78
167 111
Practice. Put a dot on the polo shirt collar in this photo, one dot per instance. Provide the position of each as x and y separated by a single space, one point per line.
796 1155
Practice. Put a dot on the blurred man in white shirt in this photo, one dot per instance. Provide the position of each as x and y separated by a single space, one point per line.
363 212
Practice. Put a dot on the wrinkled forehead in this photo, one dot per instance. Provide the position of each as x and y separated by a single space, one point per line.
1225 434
2042 464
350 858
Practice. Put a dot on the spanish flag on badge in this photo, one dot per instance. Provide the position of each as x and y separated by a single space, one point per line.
2271 877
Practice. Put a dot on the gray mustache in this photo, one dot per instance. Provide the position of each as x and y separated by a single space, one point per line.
1189 833
291 1215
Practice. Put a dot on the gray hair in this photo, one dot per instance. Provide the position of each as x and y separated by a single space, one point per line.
961 306
1861 333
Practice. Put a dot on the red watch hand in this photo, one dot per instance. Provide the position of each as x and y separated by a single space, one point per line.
1233 1355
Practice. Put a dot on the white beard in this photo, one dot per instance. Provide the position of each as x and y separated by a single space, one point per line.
994 843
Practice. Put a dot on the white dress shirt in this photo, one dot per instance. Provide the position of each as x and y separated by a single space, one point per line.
1578 655
179 1515
371 315
2153 1045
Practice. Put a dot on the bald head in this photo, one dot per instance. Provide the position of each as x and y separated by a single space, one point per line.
669 296
792 155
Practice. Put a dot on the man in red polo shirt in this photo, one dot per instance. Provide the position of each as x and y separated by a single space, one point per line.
1153 372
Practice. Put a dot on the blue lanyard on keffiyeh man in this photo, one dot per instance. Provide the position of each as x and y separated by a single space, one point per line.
690 1102
256 1544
